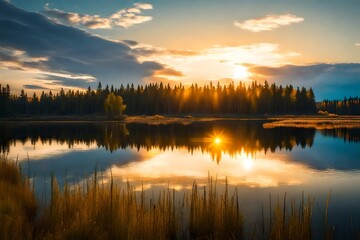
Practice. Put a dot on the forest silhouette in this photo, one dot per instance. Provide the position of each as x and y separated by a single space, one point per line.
254 99
347 106
164 99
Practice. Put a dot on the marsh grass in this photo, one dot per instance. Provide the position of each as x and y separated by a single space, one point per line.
291 221
215 216
18 205
95 210
317 123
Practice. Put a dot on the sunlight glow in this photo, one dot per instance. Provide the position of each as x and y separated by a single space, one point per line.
217 140
240 72
247 161
179 169
223 64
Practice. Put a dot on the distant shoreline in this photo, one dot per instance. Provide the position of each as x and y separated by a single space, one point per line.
146 119
302 121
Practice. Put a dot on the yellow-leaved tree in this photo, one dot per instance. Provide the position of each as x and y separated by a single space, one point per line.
114 105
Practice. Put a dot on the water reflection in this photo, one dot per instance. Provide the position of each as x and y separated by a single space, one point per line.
216 138
79 146
256 160
347 134
178 169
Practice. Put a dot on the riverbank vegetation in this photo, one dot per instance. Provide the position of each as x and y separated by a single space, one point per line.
95 210
319 123
18 206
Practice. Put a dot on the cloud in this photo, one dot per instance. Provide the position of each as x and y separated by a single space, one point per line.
258 53
30 42
145 50
357 44
252 54
216 64
123 18
169 72
130 43
145 6
18 60
34 87
70 18
167 75
329 81
268 23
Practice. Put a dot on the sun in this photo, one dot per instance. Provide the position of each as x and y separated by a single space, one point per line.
240 72
217 140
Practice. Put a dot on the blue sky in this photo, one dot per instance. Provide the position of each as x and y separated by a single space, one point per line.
74 44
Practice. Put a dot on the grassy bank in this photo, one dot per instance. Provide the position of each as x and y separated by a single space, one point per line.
316 122
301 121
93 210
18 207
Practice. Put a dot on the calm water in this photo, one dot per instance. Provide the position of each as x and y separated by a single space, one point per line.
257 161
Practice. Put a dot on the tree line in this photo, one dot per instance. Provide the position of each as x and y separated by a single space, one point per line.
347 106
158 98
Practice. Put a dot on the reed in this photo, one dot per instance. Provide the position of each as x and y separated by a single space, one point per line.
291 221
18 206
98 211
215 216
94 210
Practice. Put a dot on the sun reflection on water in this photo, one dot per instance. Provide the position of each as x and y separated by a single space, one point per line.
179 168
247 160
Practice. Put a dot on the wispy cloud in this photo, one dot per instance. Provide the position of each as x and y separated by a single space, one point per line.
21 61
258 53
166 72
217 64
357 44
268 23
145 6
34 87
145 50
123 18
31 43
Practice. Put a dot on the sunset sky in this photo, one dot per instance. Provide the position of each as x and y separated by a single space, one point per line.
49 44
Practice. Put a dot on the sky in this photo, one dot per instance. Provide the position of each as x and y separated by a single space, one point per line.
53 44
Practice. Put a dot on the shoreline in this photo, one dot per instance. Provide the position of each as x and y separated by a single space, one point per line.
132 118
300 121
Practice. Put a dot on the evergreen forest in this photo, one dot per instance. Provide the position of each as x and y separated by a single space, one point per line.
157 98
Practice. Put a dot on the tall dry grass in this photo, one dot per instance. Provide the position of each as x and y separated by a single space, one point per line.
214 216
98 211
94 210
18 206
294 222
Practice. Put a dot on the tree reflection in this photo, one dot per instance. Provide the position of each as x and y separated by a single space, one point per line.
213 137
348 134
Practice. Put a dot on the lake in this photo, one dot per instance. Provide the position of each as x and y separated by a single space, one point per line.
259 162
